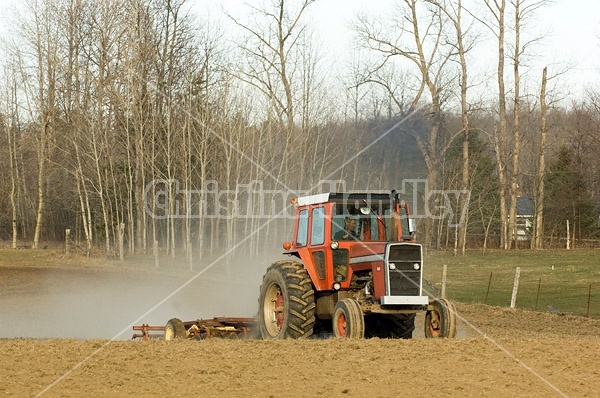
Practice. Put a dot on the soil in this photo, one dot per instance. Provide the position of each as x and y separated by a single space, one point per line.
64 332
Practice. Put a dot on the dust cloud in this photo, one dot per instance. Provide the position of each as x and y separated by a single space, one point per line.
104 302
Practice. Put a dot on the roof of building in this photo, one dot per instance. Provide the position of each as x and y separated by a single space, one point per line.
525 206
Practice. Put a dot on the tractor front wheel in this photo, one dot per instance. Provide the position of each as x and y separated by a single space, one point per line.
175 330
440 321
348 319
286 306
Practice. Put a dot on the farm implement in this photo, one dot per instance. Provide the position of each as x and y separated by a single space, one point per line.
223 327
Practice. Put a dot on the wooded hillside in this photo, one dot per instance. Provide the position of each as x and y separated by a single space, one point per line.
111 111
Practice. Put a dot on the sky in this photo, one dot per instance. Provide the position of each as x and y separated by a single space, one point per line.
571 30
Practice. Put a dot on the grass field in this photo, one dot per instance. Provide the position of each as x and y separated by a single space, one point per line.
562 277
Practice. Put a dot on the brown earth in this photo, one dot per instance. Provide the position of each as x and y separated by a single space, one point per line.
76 322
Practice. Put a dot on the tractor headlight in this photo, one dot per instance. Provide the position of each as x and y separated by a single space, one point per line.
334 245
416 266
336 286
392 266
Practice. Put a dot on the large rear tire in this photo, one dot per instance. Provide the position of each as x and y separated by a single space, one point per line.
440 322
175 329
286 306
348 319
400 326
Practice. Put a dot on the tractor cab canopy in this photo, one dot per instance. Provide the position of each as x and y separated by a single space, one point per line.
365 217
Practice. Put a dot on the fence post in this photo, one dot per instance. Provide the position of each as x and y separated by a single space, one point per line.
488 289
589 300
121 233
537 297
513 300
568 237
444 271
67 240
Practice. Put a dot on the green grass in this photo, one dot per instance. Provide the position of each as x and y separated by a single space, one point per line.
564 278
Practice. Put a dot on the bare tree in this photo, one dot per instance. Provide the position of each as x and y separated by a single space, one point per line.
537 241
11 126
523 10
271 43
453 12
509 178
497 10
425 51
273 54
43 39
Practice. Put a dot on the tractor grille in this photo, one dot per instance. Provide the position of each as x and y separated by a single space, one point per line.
404 280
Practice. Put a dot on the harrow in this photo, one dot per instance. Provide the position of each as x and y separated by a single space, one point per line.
222 327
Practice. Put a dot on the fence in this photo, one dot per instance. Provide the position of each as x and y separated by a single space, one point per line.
522 288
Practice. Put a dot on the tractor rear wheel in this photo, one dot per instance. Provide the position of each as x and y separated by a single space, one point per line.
399 326
348 319
403 326
175 330
440 322
286 306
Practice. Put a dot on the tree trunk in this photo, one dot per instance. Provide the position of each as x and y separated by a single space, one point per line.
541 173
42 145
514 183
501 134
12 149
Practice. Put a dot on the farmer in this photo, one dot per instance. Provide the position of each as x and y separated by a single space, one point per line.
347 233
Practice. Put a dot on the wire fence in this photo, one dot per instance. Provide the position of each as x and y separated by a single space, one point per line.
530 290
492 241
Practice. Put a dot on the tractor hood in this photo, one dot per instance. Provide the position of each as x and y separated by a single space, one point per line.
367 252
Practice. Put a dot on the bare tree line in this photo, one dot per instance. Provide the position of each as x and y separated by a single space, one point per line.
106 104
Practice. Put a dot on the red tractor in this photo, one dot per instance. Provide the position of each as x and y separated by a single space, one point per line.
357 272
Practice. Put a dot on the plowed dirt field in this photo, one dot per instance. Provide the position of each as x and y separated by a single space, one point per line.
63 333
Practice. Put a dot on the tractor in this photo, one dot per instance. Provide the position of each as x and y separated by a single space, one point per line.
355 270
